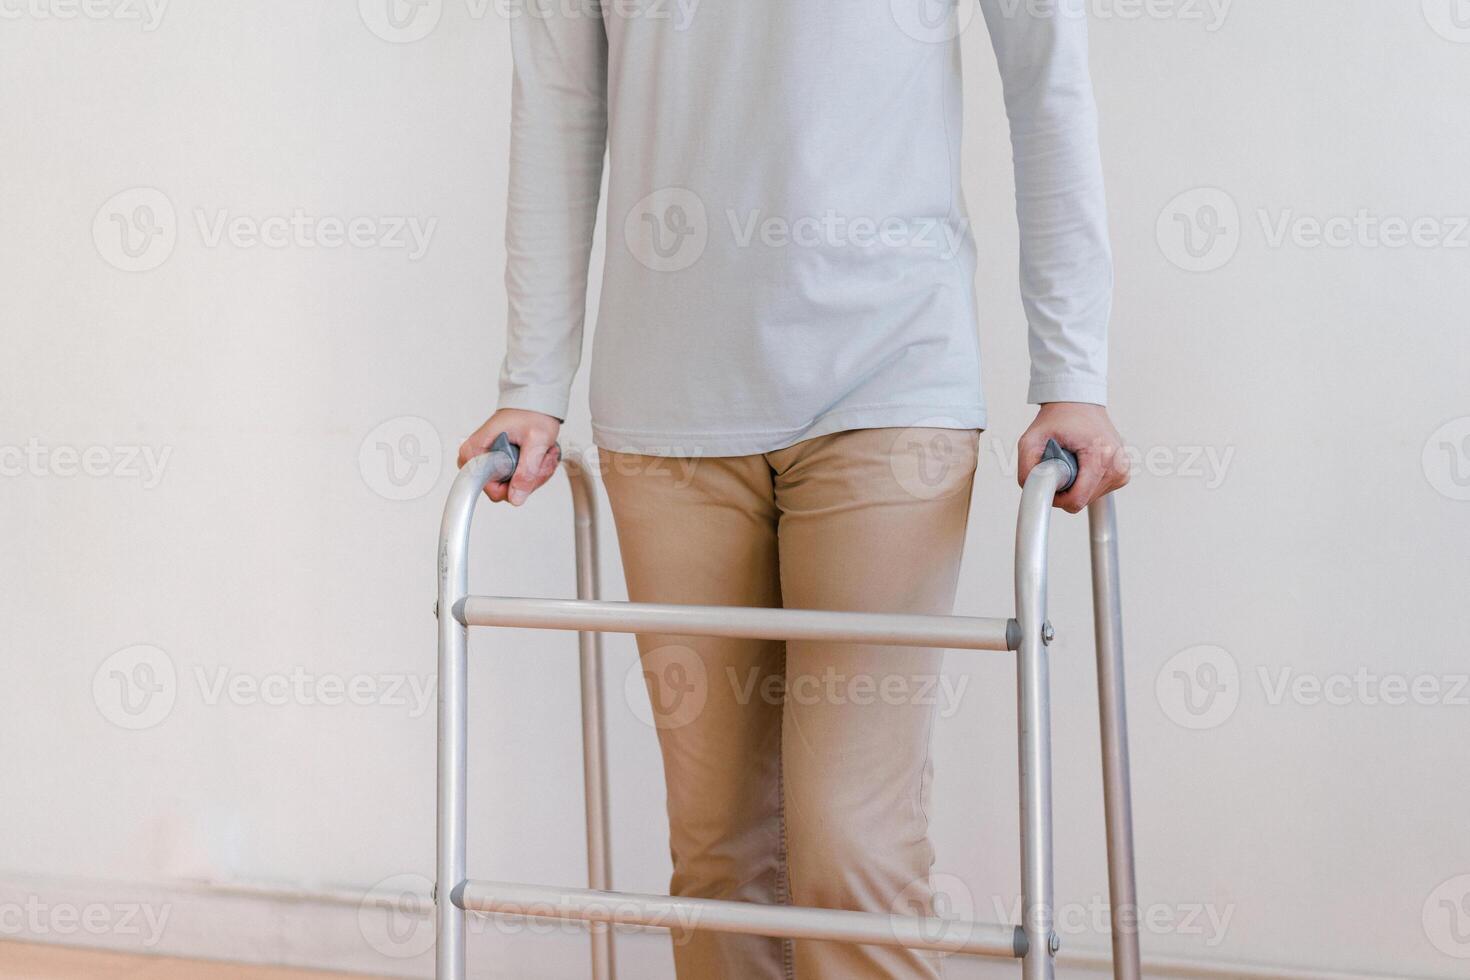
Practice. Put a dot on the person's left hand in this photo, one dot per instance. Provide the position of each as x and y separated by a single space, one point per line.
1087 431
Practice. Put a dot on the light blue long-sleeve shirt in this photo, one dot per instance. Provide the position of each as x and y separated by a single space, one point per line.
788 252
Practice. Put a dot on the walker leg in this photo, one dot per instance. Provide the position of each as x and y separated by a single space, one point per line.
449 962
454 579
1107 611
1033 717
594 742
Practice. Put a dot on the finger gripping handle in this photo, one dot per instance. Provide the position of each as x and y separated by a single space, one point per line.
511 451
1068 459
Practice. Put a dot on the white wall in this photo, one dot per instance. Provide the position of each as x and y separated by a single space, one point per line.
1303 512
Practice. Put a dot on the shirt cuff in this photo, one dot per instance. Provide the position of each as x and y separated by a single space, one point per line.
1087 390
547 399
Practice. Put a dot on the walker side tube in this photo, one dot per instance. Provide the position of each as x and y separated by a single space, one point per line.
453 565
1107 612
1033 716
594 729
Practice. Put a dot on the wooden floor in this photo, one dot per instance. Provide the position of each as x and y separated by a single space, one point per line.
29 961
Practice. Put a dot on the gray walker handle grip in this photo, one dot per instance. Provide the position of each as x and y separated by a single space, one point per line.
1068 459
511 451
502 458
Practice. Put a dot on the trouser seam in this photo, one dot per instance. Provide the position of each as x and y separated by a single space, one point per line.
926 776
783 872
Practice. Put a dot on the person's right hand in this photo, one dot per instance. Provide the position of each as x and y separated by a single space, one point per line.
535 434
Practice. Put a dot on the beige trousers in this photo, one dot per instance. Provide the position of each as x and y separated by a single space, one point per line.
798 772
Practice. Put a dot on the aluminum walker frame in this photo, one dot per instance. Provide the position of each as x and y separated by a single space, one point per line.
1029 634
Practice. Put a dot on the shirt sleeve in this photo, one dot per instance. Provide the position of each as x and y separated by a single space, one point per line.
557 143
1066 261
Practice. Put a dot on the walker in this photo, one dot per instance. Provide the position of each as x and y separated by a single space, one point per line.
1033 941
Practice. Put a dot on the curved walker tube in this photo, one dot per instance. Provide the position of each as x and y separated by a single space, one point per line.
1033 715
1028 634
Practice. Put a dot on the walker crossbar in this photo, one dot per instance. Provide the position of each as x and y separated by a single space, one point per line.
664 912
880 629
1028 634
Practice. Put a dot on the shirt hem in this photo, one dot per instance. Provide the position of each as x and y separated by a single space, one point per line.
706 444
